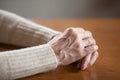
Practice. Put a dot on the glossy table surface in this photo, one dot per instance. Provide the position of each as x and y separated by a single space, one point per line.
107 34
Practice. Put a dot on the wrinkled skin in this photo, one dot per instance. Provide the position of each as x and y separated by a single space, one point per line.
75 45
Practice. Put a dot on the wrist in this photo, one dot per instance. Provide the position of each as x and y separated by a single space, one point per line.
56 46
57 53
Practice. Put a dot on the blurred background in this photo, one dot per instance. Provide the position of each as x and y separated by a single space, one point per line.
49 9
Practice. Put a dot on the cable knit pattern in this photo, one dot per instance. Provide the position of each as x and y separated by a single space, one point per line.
20 63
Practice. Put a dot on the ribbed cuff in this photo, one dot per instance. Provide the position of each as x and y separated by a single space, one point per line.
29 61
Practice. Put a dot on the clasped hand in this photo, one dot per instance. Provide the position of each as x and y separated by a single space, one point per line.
75 45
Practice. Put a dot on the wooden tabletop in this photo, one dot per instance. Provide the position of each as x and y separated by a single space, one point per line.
107 34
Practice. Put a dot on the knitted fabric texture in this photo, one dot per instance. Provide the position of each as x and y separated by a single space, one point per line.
20 63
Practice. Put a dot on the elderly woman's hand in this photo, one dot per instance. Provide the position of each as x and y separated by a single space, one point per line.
75 44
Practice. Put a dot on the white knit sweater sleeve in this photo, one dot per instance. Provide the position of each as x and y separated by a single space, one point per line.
25 62
28 61
19 31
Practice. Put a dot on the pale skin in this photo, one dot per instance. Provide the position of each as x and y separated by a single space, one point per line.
75 45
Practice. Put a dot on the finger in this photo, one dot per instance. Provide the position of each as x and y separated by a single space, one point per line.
80 30
72 36
74 31
89 41
93 58
85 62
90 49
67 32
87 34
70 32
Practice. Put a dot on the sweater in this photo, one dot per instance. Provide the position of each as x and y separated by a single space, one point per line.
36 57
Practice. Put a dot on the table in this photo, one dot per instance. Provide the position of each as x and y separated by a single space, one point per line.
107 34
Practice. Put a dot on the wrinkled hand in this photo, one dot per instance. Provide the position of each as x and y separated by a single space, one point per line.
75 44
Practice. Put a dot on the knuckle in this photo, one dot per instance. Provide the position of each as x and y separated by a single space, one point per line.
95 47
75 34
73 31
81 29
70 29
94 41
89 33
91 49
